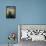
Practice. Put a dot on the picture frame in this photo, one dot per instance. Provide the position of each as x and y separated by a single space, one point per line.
11 12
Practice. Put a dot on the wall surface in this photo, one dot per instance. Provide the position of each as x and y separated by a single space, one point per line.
6 25
27 12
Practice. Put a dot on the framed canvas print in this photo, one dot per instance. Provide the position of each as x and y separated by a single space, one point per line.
32 32
11 12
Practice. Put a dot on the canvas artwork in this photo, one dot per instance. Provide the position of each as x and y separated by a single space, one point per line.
11 12
32 32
